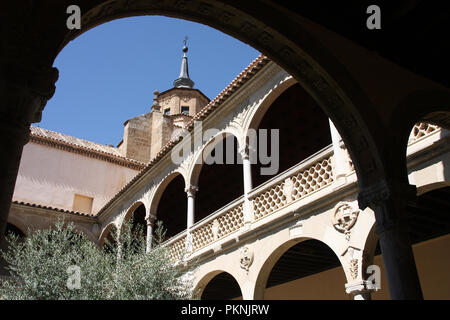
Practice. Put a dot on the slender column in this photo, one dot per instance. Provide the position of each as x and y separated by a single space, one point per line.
248 185
340 155
23 94
150 223
389 202
191 191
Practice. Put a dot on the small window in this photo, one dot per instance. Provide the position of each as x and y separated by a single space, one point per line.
167 111
82 203
185 110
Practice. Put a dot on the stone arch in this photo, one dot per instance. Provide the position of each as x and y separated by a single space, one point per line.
302 54
160 188
205 278
432 186
104 234
85 231
197 161
255 117
431 106
132 208
273 255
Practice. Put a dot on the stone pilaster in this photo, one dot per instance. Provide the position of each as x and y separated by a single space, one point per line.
389 202
24 93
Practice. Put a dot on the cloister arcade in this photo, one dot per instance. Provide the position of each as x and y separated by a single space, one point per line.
372 102
300 227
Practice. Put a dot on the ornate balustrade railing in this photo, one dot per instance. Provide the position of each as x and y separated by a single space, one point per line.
305 178
421 130
301 180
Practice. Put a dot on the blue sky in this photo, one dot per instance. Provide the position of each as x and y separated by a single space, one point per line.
108 74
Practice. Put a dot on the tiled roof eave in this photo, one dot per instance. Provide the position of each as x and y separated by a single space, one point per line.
93 153
52 209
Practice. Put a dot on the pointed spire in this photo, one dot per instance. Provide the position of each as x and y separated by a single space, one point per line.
184 81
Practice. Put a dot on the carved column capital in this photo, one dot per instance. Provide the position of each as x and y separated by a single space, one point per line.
24 93
191 191
388 200
247 152
151 219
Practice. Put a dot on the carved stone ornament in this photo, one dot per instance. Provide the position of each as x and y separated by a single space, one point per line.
246 258
345 217
354 268
288 189
215 229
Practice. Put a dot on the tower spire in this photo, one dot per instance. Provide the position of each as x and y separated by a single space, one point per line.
183 80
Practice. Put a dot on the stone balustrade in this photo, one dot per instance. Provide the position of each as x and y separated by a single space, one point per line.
298 182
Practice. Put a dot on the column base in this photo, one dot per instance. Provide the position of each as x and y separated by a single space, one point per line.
361 290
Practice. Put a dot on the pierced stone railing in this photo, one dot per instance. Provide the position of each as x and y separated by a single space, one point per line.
177 246
308 176
220 224
305 178
421 130
301 180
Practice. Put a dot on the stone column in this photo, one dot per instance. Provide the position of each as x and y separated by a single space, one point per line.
150 223
340 157
389 202
248 185
191 191
24 93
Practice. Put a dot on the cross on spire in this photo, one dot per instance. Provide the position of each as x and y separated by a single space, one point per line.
183 80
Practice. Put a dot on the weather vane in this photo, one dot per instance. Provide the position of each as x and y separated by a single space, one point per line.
185 40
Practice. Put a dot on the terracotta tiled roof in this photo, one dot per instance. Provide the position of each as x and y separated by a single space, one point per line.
77 145
34 205
214 104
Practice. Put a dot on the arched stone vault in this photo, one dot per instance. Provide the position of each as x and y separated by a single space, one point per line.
357 89
313 64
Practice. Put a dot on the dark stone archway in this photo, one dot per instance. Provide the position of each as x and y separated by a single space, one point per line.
325 64
222 287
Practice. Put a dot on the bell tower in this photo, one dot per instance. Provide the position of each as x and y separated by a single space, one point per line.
145 135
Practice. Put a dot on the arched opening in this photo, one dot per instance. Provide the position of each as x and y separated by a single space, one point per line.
428 222
171 208
220 182
222 287
303 130
137 215
108 238
307 270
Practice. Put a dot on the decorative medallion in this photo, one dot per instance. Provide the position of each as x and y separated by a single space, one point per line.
246 258
345 218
